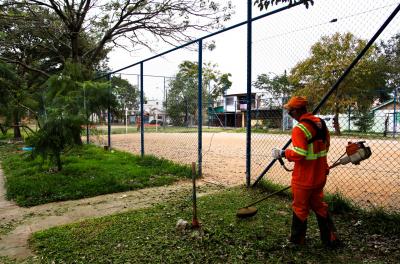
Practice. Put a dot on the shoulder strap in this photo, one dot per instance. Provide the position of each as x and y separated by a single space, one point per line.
320 132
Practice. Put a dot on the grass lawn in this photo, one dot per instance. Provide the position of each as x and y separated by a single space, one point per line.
87 171
150 236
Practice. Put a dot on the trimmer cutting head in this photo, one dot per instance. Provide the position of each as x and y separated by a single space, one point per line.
249 210
246 212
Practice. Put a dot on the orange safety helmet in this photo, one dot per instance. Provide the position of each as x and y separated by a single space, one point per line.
296 102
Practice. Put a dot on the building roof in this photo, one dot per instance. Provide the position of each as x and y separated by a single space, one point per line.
391 101
239 94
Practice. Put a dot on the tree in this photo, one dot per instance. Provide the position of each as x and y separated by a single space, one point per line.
183 95
276 85
314 76
84 31
24 43
14 99
7 79
36 52
64 116
127 94
364 119
266 3
124 23
390 51
41 36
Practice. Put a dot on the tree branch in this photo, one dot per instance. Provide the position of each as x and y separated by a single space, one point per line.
24 65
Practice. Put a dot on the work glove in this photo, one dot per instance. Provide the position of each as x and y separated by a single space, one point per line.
278 153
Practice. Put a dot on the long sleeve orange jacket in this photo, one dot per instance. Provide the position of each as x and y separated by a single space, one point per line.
310 159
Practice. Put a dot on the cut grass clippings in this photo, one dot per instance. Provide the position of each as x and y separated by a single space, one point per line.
150 236
87 171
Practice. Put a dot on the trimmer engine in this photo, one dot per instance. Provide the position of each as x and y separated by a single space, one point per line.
355 153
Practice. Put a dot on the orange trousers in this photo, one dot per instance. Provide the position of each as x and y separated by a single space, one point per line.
306 199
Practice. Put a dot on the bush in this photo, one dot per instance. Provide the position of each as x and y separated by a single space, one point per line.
54 137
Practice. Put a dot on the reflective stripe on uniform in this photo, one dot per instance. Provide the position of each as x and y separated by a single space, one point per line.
300 151
313 156
309 153
305 130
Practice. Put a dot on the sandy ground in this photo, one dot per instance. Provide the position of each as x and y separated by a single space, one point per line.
374 183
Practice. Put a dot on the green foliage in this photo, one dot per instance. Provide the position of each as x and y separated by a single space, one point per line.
373 221
269 186
276 86
314 76
68 102
13 94
34 39
391 57
86 33
127 95
87 171
183 94
364 120
55 135
338 204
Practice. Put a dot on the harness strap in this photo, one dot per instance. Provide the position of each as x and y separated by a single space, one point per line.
320 134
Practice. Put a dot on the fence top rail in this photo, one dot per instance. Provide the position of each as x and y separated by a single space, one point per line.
146 75
202 38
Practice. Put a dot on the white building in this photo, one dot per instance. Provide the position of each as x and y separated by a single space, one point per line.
387 117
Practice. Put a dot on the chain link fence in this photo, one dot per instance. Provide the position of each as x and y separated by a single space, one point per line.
157 110
311 52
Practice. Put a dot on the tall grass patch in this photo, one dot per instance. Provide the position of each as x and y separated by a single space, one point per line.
88 171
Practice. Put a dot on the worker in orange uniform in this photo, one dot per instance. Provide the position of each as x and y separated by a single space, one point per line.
310 139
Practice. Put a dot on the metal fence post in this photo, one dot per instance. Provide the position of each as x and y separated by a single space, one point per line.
394 112
164 105
86 114
235 106
248 125
200 108
109 112
141 112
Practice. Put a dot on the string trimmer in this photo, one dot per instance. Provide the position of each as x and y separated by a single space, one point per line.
355 153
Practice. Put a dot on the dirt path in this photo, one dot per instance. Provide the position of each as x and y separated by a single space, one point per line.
19 223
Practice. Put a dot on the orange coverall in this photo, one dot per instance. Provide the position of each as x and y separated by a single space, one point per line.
310 168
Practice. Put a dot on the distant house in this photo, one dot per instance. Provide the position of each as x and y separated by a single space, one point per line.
152 110
266 113
387 117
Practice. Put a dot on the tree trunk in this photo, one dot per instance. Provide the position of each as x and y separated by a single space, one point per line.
3 129
57 157
17 129
75 47
336 124
386 126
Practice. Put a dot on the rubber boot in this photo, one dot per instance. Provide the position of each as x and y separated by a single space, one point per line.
298 231
327 231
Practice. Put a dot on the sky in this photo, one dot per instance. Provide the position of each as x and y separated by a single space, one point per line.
279 41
